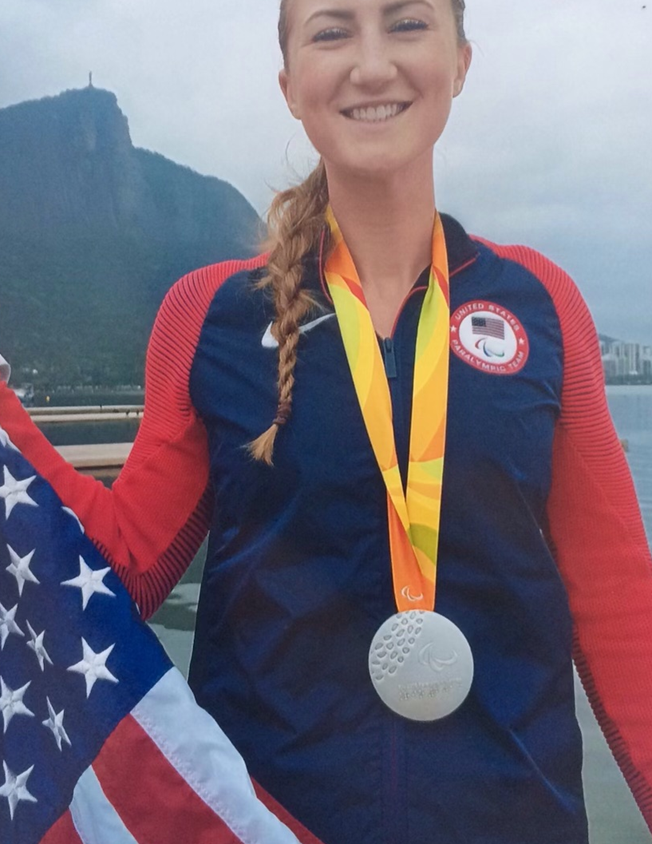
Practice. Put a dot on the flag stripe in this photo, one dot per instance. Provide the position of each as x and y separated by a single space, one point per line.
217 774
131 771
62 832
489 326
95 819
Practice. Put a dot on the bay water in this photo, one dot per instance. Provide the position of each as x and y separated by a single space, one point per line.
613 815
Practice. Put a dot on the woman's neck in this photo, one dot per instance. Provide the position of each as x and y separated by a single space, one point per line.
387 227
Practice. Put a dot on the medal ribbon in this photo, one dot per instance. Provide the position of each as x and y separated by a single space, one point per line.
413 515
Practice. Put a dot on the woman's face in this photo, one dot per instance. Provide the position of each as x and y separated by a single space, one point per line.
372 81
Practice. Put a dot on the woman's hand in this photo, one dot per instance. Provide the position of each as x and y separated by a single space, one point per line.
5 370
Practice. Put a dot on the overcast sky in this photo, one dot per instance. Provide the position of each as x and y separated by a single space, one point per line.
549 145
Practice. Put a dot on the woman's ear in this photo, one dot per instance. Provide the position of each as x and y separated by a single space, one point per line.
465 54
286 88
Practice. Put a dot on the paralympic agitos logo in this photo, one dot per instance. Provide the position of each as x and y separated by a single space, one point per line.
489 338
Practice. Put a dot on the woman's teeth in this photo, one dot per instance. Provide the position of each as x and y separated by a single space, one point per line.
376 114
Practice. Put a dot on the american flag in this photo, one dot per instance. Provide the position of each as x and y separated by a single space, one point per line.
488 326
101 740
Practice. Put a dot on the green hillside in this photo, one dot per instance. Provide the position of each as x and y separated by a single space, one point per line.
92 234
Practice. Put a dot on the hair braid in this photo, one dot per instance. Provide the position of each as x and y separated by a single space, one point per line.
295 223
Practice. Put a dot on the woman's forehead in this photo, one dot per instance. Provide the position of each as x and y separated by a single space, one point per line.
303 11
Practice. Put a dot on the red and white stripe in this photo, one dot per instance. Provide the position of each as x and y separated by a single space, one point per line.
167 774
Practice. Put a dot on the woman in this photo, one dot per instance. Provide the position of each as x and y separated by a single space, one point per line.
326 522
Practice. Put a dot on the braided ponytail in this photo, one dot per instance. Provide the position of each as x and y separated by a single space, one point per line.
295 224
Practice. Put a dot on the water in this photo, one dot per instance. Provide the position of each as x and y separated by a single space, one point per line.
631 409
87 396
74 433
613 816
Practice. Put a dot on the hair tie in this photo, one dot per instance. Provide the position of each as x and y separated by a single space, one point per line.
282 415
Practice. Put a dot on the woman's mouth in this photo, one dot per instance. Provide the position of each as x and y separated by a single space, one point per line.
375 114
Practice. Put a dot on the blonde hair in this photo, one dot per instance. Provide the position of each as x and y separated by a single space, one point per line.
295 224
294 227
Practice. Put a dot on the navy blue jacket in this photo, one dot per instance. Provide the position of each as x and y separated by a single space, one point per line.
298 578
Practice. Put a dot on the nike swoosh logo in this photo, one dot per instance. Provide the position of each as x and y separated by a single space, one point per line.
270 342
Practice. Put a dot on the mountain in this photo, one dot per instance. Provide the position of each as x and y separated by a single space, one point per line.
93 232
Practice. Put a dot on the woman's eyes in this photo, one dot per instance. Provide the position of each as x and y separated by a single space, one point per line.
335 33
409 25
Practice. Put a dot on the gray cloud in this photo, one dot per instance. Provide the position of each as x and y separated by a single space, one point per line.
549 144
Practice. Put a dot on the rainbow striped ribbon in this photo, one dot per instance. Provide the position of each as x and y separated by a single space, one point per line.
413 515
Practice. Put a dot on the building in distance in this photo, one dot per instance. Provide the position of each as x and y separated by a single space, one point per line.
625 363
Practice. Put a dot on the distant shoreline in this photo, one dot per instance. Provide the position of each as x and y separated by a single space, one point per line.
62 397
108 395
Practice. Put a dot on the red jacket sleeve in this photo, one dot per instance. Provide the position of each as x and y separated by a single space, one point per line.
600 544
153 520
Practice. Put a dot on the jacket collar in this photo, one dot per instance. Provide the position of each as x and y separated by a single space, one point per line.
462 251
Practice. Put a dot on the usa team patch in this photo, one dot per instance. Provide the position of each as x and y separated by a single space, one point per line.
489 338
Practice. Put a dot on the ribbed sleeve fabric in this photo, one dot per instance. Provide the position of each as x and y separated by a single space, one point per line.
152 522
599 541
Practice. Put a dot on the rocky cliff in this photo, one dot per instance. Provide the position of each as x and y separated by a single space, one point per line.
93 231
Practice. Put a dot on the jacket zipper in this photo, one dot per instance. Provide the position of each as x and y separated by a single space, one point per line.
389 357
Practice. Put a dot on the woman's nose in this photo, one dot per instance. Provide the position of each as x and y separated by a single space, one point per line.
374 65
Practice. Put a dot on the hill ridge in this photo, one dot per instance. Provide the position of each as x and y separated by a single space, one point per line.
93 231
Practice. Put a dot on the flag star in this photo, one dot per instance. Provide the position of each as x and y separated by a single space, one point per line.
55 723
75 517
15 492
90 582
93 666
8 625
4 440
19 567
15 788
36 644
11 702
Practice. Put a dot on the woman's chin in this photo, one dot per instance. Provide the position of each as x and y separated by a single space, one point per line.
382 167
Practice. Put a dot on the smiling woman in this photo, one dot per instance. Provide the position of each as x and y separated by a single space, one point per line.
403 565
417 53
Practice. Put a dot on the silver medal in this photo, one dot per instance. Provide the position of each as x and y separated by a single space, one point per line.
421 665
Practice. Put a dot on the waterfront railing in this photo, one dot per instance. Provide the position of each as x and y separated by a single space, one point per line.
102 460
